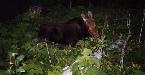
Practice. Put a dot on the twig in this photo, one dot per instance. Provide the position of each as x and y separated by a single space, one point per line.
70 4
140 35
124 46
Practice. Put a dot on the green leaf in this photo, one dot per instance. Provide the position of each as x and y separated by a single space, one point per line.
87 52
33 69
4 72
138 72
12 54
20 70
94 71
54 72
20 58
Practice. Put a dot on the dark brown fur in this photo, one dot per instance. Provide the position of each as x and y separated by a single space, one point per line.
68 32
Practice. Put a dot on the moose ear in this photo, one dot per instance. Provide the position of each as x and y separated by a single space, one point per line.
90 14
83 16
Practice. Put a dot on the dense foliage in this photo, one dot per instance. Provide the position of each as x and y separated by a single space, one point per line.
21 55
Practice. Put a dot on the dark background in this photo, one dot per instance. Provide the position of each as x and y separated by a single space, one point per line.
11 8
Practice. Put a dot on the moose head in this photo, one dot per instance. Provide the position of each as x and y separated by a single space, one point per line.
90 24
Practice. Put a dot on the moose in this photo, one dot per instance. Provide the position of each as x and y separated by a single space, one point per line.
69 32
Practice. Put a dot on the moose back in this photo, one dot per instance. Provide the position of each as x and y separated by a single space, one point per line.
69 32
